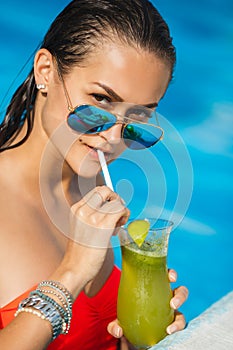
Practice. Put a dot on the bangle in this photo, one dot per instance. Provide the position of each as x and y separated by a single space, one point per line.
45 308
42 305
58 286
61 289
49 291
65 314
60 292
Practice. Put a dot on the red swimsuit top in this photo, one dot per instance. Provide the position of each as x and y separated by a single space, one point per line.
90 318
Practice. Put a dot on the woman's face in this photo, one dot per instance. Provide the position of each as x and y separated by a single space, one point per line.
114 73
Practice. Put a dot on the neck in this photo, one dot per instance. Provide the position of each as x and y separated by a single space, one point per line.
37 162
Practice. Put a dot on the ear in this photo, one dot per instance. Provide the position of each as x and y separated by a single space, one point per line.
43 69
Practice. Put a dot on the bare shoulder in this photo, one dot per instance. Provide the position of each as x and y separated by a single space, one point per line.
28 249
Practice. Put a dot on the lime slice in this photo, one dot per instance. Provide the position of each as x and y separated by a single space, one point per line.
138 231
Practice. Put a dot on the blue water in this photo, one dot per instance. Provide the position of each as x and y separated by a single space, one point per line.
199 106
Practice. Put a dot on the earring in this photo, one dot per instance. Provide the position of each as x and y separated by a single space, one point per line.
40 86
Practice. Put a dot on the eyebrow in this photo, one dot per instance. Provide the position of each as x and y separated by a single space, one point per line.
116 97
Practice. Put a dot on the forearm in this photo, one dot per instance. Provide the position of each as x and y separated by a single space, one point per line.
81 265
29 331
26 332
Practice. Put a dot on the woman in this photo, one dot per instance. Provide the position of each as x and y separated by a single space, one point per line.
57 218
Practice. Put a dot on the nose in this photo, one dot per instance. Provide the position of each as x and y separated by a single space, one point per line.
113 135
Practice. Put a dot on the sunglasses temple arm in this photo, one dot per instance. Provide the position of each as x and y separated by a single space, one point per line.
69 103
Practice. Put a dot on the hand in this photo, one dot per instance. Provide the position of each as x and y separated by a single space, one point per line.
93 221
180 296
96 217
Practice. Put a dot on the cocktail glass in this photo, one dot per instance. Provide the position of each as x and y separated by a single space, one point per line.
143 307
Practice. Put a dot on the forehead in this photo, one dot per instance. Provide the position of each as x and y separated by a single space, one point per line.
138 76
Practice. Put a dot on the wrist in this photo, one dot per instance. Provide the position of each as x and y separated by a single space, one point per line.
72 281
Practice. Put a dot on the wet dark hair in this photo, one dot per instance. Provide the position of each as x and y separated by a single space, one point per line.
78 30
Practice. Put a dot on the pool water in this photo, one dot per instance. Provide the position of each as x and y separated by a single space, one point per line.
199 108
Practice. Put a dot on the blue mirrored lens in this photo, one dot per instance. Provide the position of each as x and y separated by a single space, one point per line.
139 136
90 119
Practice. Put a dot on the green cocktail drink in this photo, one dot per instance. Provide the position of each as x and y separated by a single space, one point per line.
144 293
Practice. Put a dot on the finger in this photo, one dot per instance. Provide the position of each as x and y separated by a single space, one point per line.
114 329
123 220
105 192
90 204
113 207
178 324
112 213
95 198
172 274
180 296
125 345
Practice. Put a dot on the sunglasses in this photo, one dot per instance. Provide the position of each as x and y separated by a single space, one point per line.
136 132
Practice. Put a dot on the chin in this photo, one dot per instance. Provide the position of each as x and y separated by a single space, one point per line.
87 180
87 170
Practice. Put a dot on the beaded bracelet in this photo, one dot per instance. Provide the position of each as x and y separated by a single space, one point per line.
64 303
41 307
65 314
51 301
49 291
59 287
61 296
31 311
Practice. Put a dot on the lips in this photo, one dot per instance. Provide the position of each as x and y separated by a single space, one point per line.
93 151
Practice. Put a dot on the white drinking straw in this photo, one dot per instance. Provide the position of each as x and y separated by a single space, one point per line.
104 167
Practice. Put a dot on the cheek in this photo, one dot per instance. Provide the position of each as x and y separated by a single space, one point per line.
59 136
54 112
120 148
53 119
80 162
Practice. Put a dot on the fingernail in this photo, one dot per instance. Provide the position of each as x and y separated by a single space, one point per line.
117 332
175 303
171 329
172 276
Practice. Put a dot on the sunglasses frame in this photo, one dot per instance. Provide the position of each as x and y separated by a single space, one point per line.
119 120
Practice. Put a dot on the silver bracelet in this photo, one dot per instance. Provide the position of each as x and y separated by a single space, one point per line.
67 310
45 308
